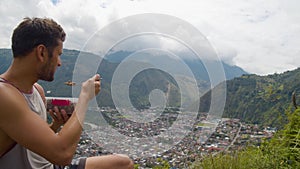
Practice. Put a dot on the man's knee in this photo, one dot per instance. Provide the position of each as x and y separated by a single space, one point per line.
124 161
116 161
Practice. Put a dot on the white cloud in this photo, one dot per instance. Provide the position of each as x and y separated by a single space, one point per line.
260 36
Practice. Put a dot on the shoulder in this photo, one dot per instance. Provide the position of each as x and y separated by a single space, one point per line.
8 92
12 101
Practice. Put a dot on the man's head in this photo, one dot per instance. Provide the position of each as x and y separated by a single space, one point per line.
36 31
42 39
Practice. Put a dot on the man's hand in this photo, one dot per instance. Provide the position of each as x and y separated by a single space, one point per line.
91 87
59 118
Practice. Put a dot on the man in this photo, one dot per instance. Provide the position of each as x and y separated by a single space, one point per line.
26 140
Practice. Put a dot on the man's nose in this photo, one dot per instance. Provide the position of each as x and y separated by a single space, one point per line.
59 62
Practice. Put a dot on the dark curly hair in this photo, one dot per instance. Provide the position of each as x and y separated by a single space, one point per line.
32 32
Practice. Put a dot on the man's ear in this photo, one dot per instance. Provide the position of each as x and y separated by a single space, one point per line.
41 52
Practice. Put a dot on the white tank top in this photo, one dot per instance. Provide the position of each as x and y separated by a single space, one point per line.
19 157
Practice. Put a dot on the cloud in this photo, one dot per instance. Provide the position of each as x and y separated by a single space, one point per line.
11 12
260 36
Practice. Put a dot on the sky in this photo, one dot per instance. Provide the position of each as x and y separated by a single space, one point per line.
261 37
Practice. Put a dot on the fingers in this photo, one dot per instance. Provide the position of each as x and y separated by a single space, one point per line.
53 114
92 86
64 116
59 117
97 80
96 77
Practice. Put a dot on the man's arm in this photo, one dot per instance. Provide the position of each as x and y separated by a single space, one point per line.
29 130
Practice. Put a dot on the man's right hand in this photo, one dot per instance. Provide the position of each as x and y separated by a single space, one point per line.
91 87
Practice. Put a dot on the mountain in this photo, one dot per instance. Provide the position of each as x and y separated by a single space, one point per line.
196 65
259 99
141 85
5 59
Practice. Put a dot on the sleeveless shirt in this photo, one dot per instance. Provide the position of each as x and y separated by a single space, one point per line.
19 157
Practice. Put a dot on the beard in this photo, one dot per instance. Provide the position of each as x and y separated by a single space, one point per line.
47 72
47 77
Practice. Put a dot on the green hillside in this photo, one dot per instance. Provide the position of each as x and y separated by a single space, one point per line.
262 99
259 99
